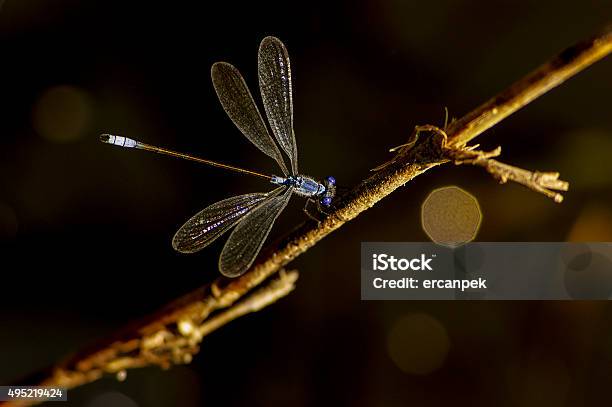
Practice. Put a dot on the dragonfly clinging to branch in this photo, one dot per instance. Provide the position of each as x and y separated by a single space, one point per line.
252 214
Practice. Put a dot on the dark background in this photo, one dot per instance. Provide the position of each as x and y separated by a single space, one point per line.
85 228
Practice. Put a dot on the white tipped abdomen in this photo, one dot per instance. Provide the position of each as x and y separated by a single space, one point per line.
118 141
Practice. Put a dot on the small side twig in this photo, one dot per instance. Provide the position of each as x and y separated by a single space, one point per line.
546 183
165 346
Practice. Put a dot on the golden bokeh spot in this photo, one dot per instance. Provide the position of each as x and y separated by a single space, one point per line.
418 344
121 375
451 216
62 114
594 224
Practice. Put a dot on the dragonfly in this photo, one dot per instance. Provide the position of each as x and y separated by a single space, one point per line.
252 215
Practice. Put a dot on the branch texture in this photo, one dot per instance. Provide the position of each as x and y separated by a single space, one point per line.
553 73
173 334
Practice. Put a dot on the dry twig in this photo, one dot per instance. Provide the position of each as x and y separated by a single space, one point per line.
546 183
173 334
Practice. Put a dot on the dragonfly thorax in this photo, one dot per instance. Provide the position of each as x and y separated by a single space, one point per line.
302 185
309 187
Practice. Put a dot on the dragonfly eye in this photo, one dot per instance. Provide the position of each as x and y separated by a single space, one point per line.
331 180
326 201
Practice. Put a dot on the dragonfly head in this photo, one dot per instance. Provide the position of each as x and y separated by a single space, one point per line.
330 191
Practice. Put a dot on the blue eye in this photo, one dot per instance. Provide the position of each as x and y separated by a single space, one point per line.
331 180
326 201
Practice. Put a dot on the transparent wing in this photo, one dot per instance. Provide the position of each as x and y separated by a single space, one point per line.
246 240
210 223
239 105
275 86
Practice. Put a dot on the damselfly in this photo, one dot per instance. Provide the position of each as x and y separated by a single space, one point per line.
252 214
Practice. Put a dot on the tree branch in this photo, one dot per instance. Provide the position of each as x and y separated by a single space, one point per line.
553 73
173 334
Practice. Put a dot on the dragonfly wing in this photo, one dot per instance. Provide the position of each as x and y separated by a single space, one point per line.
239 105
210 223
246 240
275 86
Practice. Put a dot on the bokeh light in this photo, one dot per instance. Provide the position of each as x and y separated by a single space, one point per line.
451 216
594 224
589 277
62 114
418 344
121 375
576 256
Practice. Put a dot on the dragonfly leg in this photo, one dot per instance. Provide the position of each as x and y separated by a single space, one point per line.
323 209
307 212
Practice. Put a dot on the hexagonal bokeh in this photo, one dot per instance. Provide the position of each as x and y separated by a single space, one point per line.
451 216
